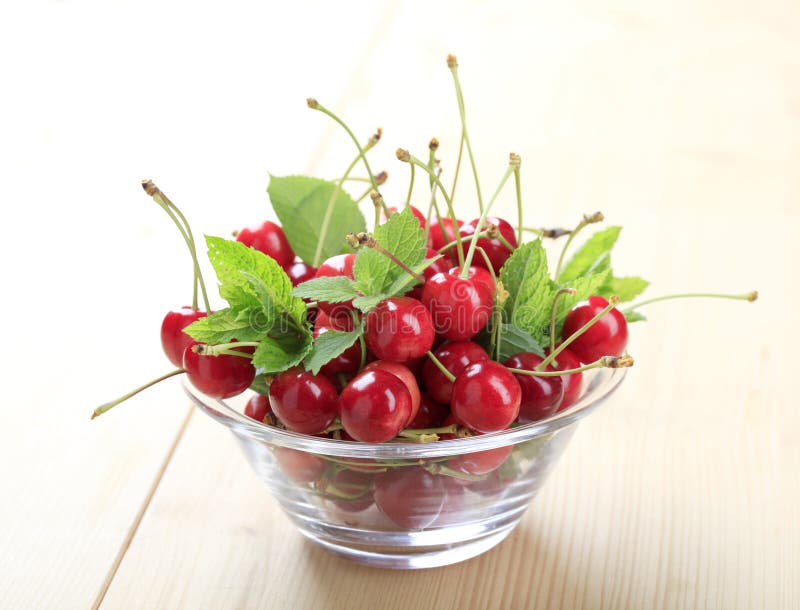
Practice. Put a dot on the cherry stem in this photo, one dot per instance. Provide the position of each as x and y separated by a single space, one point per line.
750 296
465 239
426 435
410 186
105 407
379 203
606 362
363 195
336 425
452 63
556 299
518 191
457 171
554 233
380 177
359 240
456 474
612 301
224 349
186 232
587 220
431 205
441 367
361 341
514 162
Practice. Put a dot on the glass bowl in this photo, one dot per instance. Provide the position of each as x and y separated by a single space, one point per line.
406 504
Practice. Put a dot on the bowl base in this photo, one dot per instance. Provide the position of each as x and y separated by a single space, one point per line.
412 558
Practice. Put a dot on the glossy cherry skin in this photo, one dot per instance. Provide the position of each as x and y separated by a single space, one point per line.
606 337
439 238
455 357
495 250
348 361
341 264
430 414
399 329
218 376
479 274
486 397
404 374
374 406
411 497
417 214
460 308
298 466
258 408
270 239
299 272
304 402
480 462
173 339
573 383
440 266
541 396
357 485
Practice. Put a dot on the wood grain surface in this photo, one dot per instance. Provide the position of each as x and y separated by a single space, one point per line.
680 121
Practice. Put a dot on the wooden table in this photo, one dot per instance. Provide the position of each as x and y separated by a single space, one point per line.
679 120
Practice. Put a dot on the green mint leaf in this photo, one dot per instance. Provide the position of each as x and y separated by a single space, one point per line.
335 289
634 316
328 346
626 288
276 353
585 287
594 256
406 282
530 291
225 325
514 340
365 304
301 203
404 238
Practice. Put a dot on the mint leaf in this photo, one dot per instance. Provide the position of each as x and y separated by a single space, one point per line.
365 304
301 204
328 346
585 287
530 291
626 288
634 316
276 353
225 325
594 256
335 289
404 238
514 340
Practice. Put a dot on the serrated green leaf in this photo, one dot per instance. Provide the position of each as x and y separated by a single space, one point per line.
594 256
585 287
278 353
634 316
334 289
526 278
328 346
365 304
225 325
404 238
626 288
301 203
514 340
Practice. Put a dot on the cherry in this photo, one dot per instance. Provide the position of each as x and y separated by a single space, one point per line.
496 251
417 214
480 274
453 501
480 462
573 383
341 264
486 397
460 307
455 357
374 406
299 272
606 337
404 374
258 408
304 402
442 234
270 239
541 396
411 497
431 414
298 466
218 376
440 266
399 329
173 339
348 361
350 490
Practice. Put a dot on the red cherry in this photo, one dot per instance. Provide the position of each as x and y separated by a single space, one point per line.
348 361
455 357
480 462
173 339
454 501
430 415
460 308
218 376
375 406
440 266
417 214
496 251
399 329
486 397
479 274
299 272
270 239
258 408
341 264
541 396
411 497
298 466
606 337
404 374
304 402
573 383
356 485
441 235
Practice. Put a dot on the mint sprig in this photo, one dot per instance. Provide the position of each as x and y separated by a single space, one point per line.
329 345
336 289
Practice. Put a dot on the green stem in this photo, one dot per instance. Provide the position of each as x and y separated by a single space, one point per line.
556 299
458 167
410 187
364 194
550 233
518 190
596 217
224 349
606 362
750 296
326 220
465 239
441 367
452 63
105 407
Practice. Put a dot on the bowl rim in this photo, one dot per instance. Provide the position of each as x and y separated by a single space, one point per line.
601 384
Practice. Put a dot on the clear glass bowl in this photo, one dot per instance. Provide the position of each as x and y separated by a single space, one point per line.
407 505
